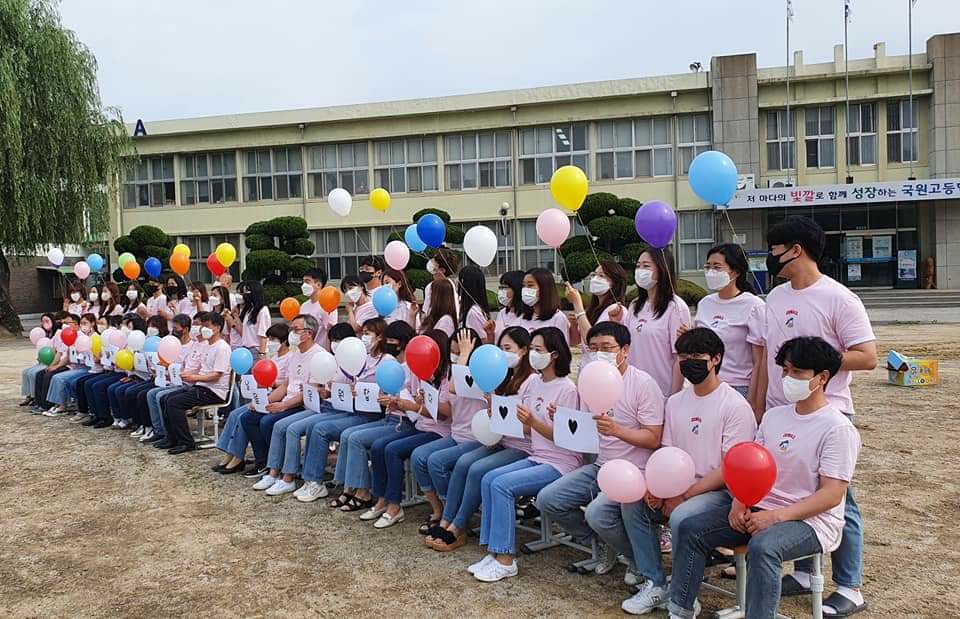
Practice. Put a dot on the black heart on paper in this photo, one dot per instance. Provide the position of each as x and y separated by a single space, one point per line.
503 412
469 380
572 424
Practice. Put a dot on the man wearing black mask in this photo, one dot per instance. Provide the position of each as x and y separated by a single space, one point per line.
371 270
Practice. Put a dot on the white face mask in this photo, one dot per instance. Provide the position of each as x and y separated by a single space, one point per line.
513 359
206 332
354 294
645 278
599 285
717 279
152 331
74 296
796 389
294 339
333 346
215 301
431 267
529 296
539 360
132 295
306 289
273 347
503 298
607 357
104 296
367 340
454 357
236 299
93 297
194 332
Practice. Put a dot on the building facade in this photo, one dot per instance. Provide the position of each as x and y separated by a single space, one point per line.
487 158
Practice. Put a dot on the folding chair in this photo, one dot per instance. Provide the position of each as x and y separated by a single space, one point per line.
411 494
549 538
213 410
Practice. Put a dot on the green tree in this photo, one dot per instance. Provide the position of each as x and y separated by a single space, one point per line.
144 242
279 250
60 149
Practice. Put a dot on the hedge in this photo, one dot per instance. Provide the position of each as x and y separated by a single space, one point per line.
262 261
299 246
297 266
578 265
287 226
150 235
256 240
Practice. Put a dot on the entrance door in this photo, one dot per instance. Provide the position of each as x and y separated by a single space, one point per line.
869 259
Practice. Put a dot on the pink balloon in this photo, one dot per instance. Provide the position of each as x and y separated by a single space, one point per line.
81 270
83 343
36 334
118 339
553 227
621 481
397 255
169 349
43 342
600 386
670 471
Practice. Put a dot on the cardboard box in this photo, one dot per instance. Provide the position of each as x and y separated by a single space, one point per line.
905 371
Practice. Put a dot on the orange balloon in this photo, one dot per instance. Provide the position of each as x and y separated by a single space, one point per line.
180 264
329 299
290 308
131 270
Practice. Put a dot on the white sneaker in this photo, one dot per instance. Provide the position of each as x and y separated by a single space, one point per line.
51 412
147 435
138 432
123 424
495 571
281 487
473 568
265 482
115 424
386 520
696 610
646 599
311 491
632 578
373 513
607 560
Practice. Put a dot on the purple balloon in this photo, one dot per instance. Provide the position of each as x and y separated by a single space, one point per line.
656 222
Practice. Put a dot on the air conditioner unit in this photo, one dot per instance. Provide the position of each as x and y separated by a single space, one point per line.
746 181
777 183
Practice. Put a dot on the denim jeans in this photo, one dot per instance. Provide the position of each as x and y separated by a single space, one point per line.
135 402
60 390
284 451
353 461
742 389
154 399
97 400
328 429
463 493
259 427
233 438
499 490
698 536
388 458
80 391
116 395
562 499
420 456
28 378
440 465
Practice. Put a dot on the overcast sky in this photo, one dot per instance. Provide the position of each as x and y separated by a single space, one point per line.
163 59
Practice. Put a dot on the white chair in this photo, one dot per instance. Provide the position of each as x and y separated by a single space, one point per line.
213 410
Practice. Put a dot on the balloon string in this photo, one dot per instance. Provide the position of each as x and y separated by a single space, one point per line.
756 281
589 236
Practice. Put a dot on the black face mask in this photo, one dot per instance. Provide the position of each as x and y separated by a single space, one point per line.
366 276
390 349
170 291
152 290
177 333
694 370
774 266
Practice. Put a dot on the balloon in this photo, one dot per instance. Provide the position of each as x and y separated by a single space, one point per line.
568 186
422 356
289 309
44 342
431 230
553 227
131 270
180 264
351 355
118 339
214 266
241 360
621 481
385 300
124 258
488 366
390 376
340 201
265 373
96 344
749 472
380 199
153 267
95 262
136 340
670 471
124 360
36 334
151 344
713 177
323 367
81 270
170 348
55 256
83 343
68 336
181 250
226 254
480 426
46 355
397 255
413 240
329 299
656 222
600 386
480 243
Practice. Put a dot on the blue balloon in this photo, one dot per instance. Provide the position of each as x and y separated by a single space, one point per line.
153 267
488 366
151 344
390 376
241 360
385 300
95 261
413 239
432 230
713 177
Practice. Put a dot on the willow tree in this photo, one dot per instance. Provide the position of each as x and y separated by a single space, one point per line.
60 149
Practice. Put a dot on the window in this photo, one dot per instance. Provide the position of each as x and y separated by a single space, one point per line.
635 148
902 135
408 165
544 149
533 251
338 165
208 178
477 160
149 182
696 238
820 137
203 246
694 138
339 252
275 174
861 135
781 140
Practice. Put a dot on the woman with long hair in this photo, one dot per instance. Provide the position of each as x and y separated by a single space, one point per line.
608 286
175 293
93 300
50 325
407 309
133 303
75 298
156 301
254 318
197 300
110 300
474 312
443 309
541 303
510 303
359 306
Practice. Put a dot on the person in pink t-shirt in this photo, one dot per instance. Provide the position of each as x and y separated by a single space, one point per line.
254 319
473 312
443 310
443 266
607 285
359 306
313 282
541 303
407 309
510 306
815 448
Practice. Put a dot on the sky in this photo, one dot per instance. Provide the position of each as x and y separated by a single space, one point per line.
163 59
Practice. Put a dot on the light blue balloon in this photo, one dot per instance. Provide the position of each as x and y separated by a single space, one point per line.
151 344
713 177
385 300
488 366
413 239
95 262
390 376
241 360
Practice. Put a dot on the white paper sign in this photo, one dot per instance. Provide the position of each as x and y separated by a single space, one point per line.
248 385
503 419
161 378
341 396
175 379
153 360
139 362
106 357
90 361
74 356
260 400
431 398
576 430
311 398
367 394
464 383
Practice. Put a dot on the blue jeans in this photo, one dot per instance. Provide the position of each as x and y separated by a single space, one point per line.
742 389
698 536
419 458
154 399
463 494
97 400
60 385
116 394
440 465
562 499
388 471
353 461
285 441
500 489
327 430
28 379
233 438
259 427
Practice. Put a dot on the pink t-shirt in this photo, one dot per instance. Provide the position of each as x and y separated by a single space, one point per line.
707 427
736 321
653 340
324 318
94 309
462 411
426 297
826 309
365 312
537 396
603 317
807 447
641 405
186 306
558 320
186 350
283 366
427 424
236 340
156 303
298 370
476 320
253 331
194 359
369 372
77 309
58 345
445 324
217 359
411 384
505 320
402 312
191 309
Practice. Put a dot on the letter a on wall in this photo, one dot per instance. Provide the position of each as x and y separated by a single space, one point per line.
139 130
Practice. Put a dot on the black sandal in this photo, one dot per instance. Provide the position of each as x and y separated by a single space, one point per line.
429 524
791 587
355 505
844 606
340 501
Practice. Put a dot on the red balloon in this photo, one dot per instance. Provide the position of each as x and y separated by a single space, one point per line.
68 335
423 357
749 471
265 373
214 265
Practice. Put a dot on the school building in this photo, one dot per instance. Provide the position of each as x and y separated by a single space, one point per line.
882 179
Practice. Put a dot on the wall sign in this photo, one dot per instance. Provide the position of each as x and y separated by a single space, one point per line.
856 193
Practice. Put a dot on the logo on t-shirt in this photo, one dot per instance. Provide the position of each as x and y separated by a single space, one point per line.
716 321
538 405
784 443
792 314
695 425
640 324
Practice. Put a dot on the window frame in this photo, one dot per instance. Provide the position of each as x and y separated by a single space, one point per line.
149 183
461 161
695 147
634 149
390 168
700 216
347 261
781 140
339 170
273 174
820 138
860 134
556 157
912 131
194 180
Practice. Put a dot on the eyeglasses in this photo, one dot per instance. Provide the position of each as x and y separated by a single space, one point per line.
607 348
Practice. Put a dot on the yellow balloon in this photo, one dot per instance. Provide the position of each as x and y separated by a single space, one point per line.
569 186
380 199
96 345
226 254
125 360
181 249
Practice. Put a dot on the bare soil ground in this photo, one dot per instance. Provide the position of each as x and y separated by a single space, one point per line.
94 524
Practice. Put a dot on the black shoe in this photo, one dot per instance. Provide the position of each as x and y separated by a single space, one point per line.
27 402
102 423
255 470
155 439
89 422
231 470
217 468
181 449
164 444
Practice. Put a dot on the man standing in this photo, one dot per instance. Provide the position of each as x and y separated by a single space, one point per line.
371 270
313 282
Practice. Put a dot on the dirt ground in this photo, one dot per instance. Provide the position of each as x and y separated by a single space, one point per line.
94 524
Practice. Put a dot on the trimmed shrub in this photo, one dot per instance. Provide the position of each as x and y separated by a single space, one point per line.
628 207
262 261
125 244
299 246
149 235
297 266
259 227
445 216
598 205
287 227
574 245
611 231
274 293
578 265
160 253
630 252
257 241
418 278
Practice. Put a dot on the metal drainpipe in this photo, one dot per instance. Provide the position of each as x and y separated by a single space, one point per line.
513 177
677 160
303 174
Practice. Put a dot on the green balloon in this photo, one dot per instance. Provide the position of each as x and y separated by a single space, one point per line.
125 258
46 355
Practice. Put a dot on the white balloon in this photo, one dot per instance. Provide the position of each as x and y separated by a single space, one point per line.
340 201
135 341
480 426
323 367
55 256
351 355
480 243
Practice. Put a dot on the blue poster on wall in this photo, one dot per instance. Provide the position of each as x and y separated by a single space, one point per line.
907 264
